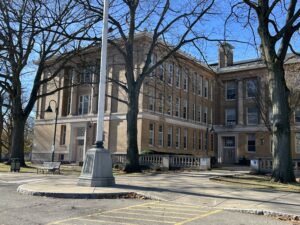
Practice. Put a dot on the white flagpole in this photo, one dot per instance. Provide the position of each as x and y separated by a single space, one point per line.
102 83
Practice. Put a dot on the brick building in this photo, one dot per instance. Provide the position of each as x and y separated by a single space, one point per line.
186 107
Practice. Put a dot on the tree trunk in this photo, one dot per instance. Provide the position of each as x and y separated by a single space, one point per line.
132 164
281 132
17 139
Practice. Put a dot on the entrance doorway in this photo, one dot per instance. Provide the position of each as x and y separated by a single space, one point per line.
80 144
228 153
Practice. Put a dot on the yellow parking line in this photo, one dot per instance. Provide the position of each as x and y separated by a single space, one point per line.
199 217
130 218
163 216
181 213
185 206
172 208
68 219
105 221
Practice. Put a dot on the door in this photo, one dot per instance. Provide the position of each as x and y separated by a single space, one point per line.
79 152
228 156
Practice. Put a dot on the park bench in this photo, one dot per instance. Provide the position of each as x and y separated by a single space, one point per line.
49 167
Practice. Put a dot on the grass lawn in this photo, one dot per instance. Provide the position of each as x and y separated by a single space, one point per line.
257 181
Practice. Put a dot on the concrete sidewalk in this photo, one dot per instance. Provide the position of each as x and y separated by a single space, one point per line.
193 188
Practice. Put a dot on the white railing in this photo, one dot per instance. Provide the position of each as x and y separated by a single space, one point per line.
167 161
265 165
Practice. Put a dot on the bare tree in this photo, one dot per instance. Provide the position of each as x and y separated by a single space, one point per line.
277 22
30 30
170 26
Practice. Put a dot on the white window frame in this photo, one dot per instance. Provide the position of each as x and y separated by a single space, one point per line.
170 73
170 105
160 103
170 135
160 135
226 115
248 114
251 80
177 143
178 77
151 134
82 104
199 86
205 88
177 107
205 116
184 110
226 90
185 138
251 135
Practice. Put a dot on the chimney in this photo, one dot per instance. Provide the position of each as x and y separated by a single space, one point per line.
225 55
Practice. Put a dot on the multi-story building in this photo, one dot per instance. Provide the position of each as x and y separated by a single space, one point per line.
185 107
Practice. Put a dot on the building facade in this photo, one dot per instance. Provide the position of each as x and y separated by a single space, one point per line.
185 107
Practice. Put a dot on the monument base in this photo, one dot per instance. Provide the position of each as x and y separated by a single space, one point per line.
97 169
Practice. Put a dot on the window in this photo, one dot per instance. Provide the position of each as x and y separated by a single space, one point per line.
199 113
185 137
205 115
297 143
230 90
160 103
161 135
199 85
230 116
251 143
185 81
169 105
252 116
205 88
177 107
153 61
194 139
194 112
170 137
177 143
194 83
69 106
63 129
178 76
151 134
83 104
184 109
251 88
170 74
229 141
87 74
161 72
151 100
200 140
297 115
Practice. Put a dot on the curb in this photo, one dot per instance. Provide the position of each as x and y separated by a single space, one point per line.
115 195
265 213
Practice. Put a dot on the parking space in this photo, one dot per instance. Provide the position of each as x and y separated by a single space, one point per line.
153 212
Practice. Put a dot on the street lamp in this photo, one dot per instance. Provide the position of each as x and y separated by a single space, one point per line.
49 109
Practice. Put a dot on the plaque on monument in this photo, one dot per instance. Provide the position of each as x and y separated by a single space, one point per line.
88 165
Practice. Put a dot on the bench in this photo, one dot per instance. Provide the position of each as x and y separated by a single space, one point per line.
49 167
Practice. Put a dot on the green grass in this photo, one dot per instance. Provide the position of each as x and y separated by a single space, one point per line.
257 181
29 169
